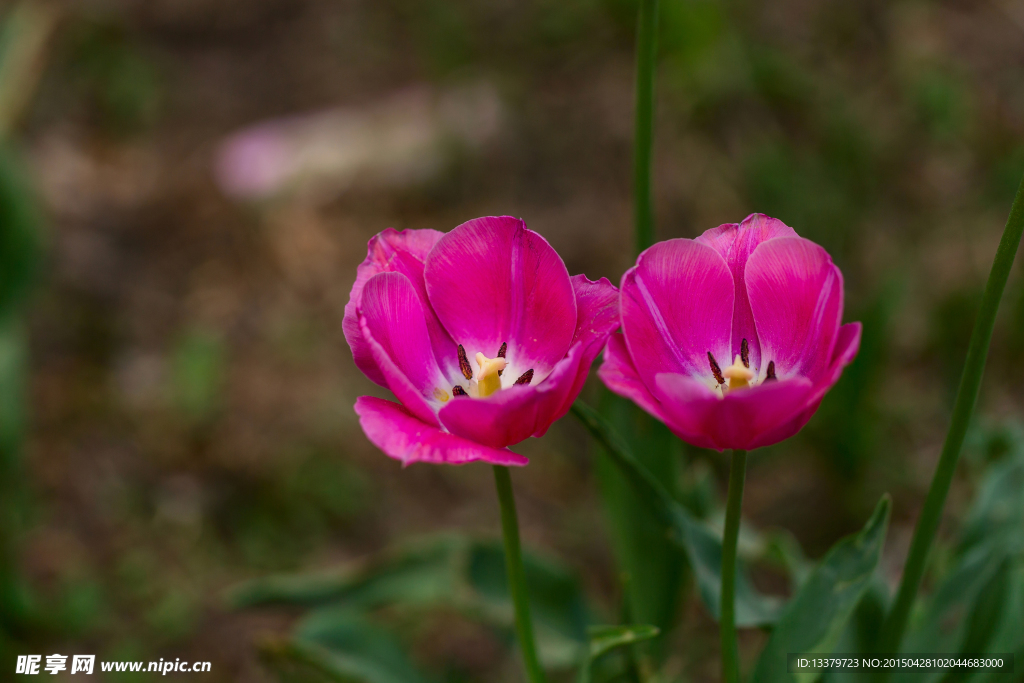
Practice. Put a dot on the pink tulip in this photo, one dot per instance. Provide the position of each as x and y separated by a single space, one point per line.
733 338
480 333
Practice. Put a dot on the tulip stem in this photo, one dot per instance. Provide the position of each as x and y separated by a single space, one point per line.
643 140
727 625
516 575
966 397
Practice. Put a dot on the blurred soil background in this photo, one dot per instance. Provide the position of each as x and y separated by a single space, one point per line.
190 401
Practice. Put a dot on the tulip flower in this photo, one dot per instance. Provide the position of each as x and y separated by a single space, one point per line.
481 335
485 340
732 338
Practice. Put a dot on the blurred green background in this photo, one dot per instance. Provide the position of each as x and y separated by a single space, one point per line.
184 422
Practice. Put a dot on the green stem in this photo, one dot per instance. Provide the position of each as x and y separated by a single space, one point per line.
643 143
516 576
966 397
24 39
727 626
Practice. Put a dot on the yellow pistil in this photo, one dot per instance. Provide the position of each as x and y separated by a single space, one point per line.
738 375
487 379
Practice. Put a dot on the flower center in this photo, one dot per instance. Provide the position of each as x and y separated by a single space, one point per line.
738 375
486 380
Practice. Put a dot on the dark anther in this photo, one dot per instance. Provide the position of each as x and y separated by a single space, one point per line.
526 377
501 354
715 370
745 353
467 371
771 371
457 390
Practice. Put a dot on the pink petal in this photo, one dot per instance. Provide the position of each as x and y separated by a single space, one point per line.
597 304
401 436
790 428
847 344
395 317
796 296
677 305
491 281
597 308
401 252
513 414
735 243
502 419
395 380
620 376
846 348
742 419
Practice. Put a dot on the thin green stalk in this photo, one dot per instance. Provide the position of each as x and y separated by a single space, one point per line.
643 142
516 576
727 625
966 397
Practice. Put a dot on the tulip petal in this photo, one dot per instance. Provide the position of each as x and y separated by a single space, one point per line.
395 316
735 243
847 344
401 252
796 296
502 419
742 419
620 376
597 308
492 281
846 347
390 310
677 305
597 304
398 433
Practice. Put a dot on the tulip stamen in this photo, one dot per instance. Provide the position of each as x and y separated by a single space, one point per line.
526 377
487 379
715 370
739 375
457 390
464 366
771 371
501 354
442 395
745 353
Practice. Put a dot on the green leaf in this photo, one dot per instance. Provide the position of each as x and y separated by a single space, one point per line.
652 567
862 630
942 622
998 510
702 546
447 572
343 646
1008 635
604 639
978 606
816 617
420 573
